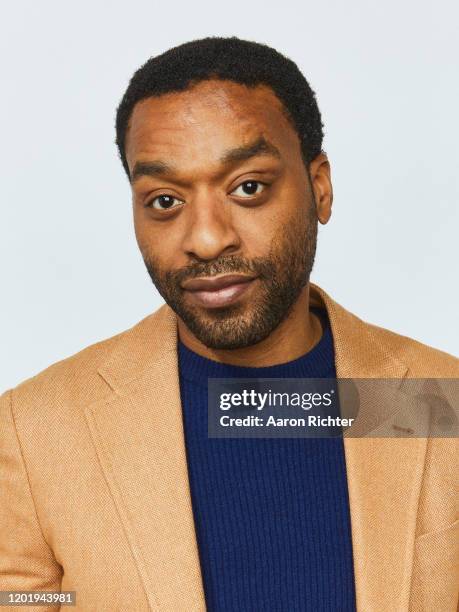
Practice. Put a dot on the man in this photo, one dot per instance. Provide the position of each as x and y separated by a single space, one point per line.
110 484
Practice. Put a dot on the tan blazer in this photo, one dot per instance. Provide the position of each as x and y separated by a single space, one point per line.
94 492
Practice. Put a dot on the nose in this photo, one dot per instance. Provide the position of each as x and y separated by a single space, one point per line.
209 232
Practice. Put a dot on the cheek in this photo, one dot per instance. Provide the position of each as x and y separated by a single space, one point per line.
260 230
142 235
263 227
146 239
152 244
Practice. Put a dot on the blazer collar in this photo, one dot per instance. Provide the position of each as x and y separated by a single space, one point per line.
357 353
137 431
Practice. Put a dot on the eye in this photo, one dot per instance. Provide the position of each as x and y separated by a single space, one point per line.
164 202
248 188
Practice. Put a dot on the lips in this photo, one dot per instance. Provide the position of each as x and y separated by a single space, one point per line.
214 283
218 291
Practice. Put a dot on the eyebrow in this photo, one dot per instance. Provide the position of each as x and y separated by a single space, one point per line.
153 168
261 146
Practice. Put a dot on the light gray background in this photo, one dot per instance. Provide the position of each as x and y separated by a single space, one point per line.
386 77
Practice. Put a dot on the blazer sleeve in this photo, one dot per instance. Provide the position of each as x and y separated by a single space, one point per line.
26 561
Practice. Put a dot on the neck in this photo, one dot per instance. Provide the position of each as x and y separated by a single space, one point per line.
297 334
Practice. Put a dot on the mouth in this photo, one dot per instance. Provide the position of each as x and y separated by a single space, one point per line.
218 291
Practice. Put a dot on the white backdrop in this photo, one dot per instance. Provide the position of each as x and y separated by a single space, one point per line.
386 77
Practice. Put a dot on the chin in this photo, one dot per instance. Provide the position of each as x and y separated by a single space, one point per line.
237 336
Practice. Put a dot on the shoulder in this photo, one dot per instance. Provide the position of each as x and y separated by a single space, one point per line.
73 380
423 360
374 349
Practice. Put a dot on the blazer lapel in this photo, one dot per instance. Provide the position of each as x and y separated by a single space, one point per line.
384 474
138 434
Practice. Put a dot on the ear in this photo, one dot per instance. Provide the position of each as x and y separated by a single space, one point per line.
319 173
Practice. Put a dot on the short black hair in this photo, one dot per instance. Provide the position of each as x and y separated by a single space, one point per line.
242 61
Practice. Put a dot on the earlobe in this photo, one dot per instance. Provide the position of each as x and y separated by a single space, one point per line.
324 208
322 187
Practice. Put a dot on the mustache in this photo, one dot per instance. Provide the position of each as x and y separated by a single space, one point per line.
230 264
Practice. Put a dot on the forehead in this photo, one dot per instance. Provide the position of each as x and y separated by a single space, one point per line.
205 119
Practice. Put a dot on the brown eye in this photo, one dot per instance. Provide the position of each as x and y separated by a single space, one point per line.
248 188
165 202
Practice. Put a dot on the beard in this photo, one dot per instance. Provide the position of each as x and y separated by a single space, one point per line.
282 274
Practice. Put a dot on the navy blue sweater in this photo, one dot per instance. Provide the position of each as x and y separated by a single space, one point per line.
272 515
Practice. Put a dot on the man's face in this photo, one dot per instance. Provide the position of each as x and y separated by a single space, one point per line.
224 212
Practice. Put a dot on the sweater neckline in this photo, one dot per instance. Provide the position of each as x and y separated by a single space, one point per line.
318 362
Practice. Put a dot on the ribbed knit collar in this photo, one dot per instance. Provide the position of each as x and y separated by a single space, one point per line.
316 363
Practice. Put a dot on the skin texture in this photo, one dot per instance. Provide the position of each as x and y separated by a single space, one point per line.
214 223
